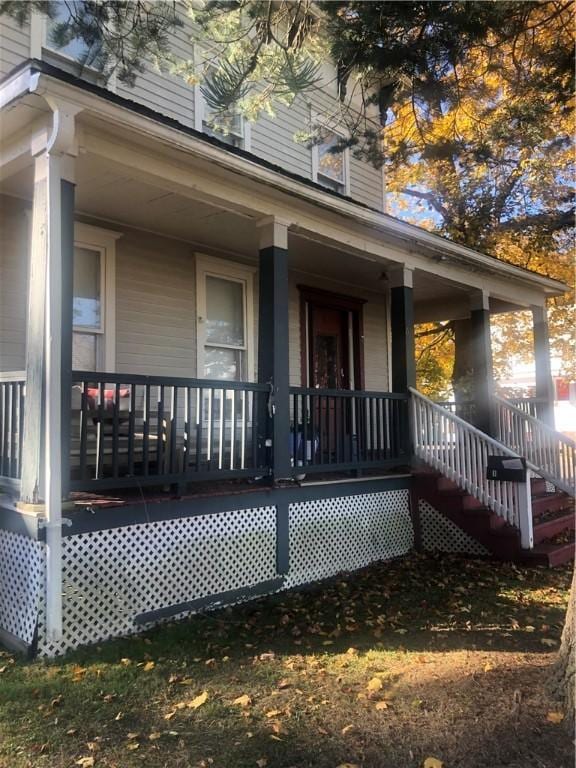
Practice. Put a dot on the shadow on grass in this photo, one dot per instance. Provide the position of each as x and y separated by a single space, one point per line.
390 614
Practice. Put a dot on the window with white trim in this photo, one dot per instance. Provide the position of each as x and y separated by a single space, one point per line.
93 299
330 168
76 50
225 319
228 126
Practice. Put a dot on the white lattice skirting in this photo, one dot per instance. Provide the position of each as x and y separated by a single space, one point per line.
111 576
442 535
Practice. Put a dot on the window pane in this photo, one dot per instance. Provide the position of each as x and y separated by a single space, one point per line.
224 311
76 49
222 363
330 164
84 352
87 289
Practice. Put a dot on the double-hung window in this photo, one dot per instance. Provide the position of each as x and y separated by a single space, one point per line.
93 299
331 168
43 31
225 319
228 126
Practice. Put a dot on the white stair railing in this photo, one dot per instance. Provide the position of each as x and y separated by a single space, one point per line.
460 452
552 453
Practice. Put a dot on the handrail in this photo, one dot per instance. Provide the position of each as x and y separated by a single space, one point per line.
552 454
460 451
166 381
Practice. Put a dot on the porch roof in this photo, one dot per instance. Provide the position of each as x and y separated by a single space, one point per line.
35 79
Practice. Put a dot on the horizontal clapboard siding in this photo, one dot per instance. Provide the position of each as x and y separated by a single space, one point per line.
13 280
155 306
14 44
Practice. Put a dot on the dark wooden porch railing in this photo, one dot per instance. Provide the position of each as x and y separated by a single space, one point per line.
12 387
337 430
131 430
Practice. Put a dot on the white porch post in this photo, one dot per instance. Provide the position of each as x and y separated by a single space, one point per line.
49 343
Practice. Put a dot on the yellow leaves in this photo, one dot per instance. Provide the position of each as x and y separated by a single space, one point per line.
85 762
154 736
374 685
347 729
273 713
170 715
262 762
133 746
149 666
380 705
555 717
78 673
243 701
488 667
432 762
198 701
348 765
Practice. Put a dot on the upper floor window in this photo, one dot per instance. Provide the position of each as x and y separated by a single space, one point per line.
331 168
46 35
228 126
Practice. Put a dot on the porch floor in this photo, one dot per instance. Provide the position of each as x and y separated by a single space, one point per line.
213 488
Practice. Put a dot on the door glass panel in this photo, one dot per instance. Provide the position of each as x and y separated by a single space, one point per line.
84 356
87 288
224 311
222 363
327 362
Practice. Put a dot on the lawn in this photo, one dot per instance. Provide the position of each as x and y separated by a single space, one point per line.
419 658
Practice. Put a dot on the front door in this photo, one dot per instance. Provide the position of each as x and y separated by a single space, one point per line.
329 347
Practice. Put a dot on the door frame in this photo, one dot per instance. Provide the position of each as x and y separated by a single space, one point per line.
329 300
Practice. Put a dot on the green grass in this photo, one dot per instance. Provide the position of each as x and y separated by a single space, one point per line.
451 640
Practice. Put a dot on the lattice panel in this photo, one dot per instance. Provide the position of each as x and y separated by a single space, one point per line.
439 534
329 536
21 580
111 576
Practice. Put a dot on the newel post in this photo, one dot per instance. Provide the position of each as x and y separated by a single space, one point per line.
273 357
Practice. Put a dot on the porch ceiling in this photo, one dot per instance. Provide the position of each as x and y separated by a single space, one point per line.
108 193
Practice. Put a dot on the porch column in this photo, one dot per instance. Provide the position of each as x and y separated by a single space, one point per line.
402 329
45 459
482 384
544 382
273 366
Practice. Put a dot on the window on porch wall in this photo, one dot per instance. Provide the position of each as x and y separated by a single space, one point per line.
88 316
225 320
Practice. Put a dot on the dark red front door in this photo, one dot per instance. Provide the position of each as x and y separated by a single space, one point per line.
329 349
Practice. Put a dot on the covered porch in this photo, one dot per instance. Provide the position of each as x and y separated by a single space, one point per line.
208 372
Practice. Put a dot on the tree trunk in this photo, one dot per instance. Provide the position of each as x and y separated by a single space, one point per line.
564 678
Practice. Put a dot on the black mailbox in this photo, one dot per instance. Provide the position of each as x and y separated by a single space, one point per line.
510 468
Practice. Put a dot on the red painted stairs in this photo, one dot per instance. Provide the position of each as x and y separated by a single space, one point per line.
553 520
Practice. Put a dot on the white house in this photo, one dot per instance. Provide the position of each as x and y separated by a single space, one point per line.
207 378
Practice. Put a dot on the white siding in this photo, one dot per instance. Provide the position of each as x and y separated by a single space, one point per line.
155 306
13 280
375 330
167 94
14 44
